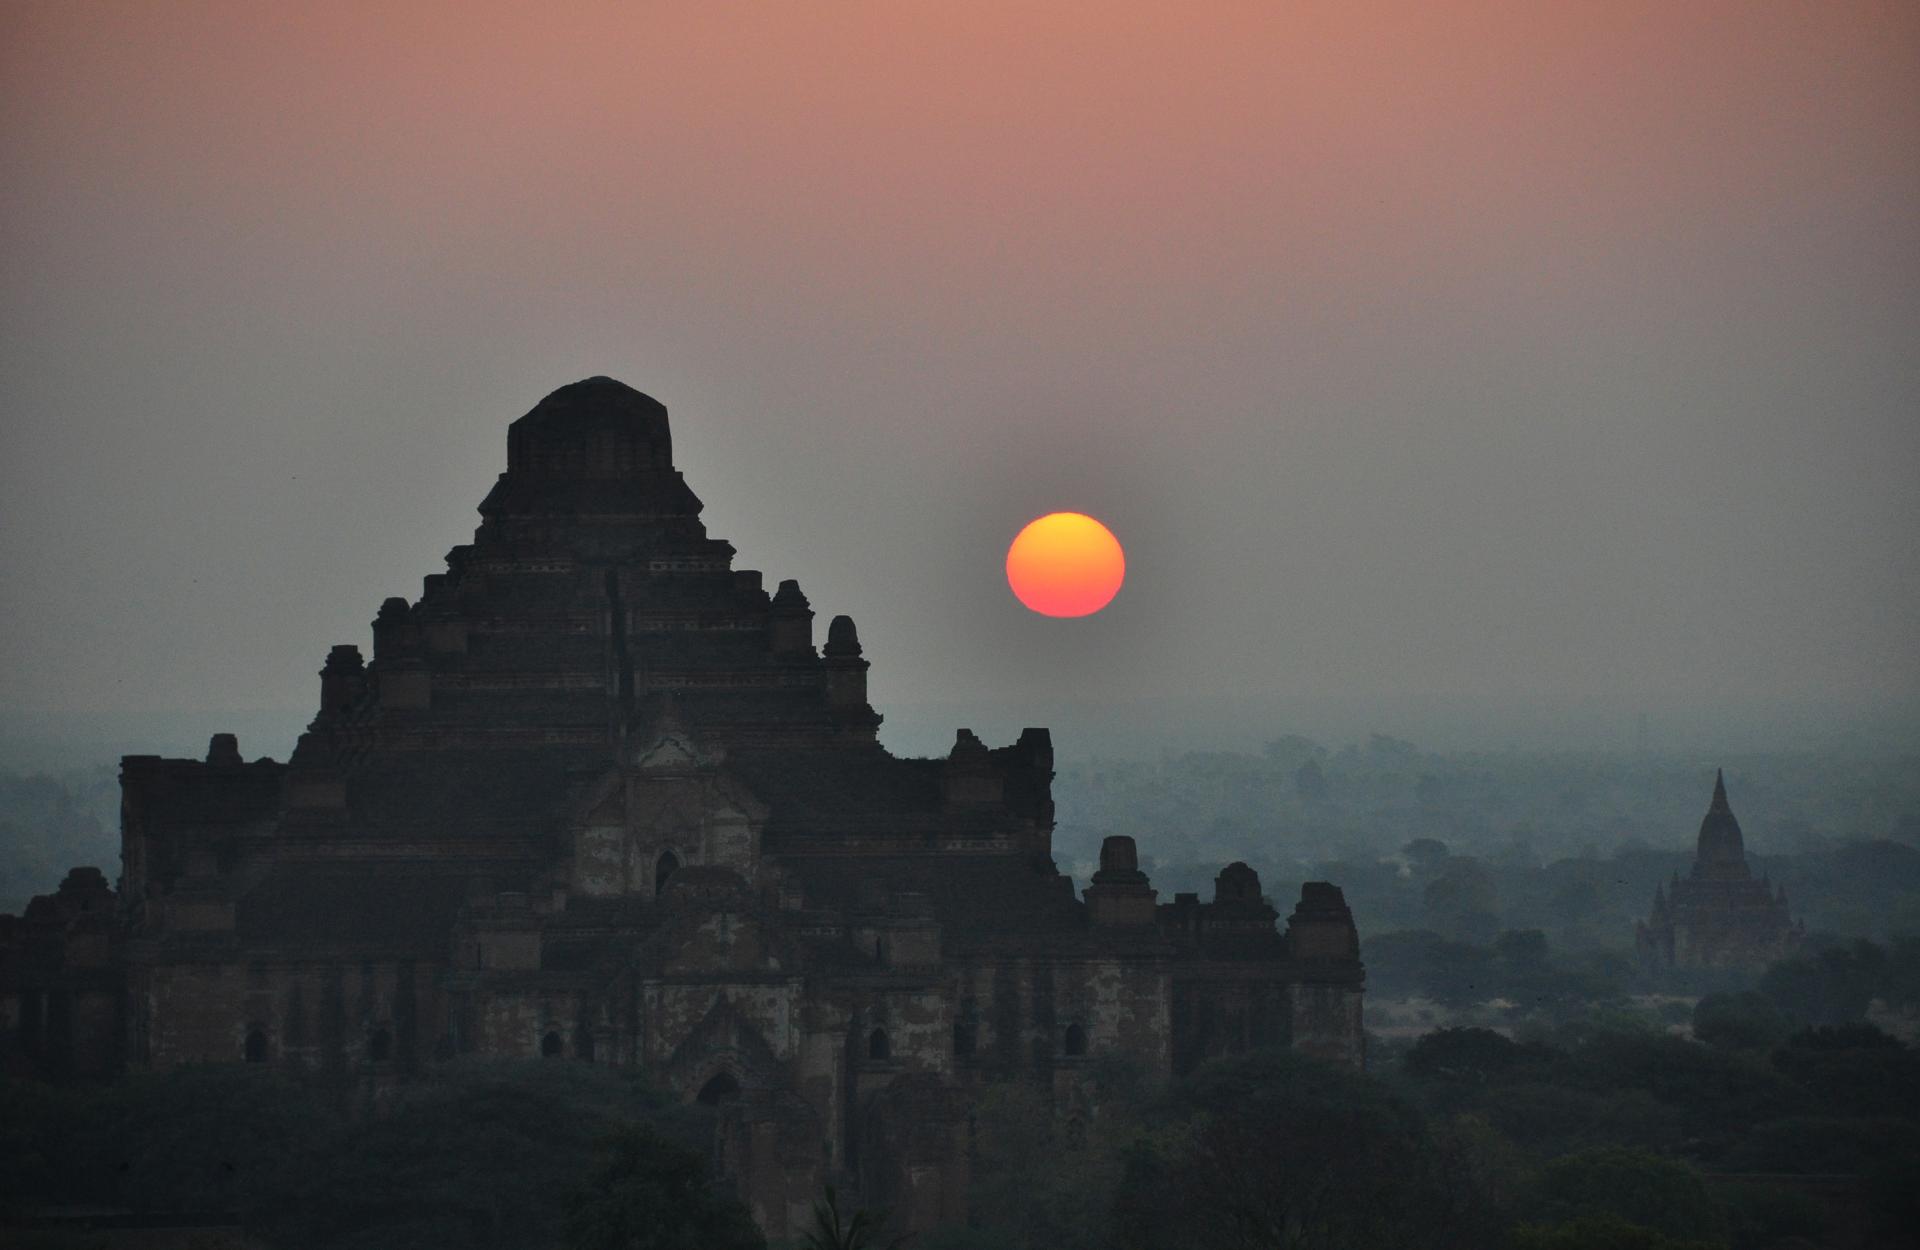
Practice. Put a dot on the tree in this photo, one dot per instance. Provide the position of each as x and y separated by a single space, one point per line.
1600 1232
1713 1096
38 1163
1633 1186
1475 1055
1293 750
219 1137
1854 1068
1833 986
483 1156
1744 1021
831 1232
1524 948
1036 1182
647 1193
1274 1150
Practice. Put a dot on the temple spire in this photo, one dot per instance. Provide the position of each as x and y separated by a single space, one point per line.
1719 803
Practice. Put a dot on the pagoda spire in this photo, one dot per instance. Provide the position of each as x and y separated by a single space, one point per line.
1719 803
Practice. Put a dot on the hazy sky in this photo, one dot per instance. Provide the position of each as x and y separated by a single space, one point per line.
1529 355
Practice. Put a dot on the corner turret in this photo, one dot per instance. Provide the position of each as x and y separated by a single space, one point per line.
790 628
1120 893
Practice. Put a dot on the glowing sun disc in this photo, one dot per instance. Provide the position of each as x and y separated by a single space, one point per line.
1066 564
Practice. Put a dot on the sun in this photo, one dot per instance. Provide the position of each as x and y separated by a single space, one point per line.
1066 564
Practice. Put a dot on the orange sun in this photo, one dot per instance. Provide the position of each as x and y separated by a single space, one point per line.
1066 564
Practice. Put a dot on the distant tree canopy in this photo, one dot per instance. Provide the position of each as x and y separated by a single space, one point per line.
1832 986
1472 1054
1748 1020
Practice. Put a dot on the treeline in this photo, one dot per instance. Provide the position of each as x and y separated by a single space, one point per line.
1536 985
1470 845
1601 1139
490 1156
1613 1140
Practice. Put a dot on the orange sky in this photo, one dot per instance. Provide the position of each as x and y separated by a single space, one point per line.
1538 352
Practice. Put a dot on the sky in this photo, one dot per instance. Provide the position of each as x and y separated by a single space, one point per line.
1520 364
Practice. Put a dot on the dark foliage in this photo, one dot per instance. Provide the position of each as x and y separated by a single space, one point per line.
1601 1232
1852 1068
833 1231
648 1193
1475 1055
1747 1020
1275 1150
483 1156
1635 1186
1829 987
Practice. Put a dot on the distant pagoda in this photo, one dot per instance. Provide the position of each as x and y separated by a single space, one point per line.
1718 915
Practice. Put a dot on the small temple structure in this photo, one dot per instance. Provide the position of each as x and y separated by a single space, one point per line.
1720 914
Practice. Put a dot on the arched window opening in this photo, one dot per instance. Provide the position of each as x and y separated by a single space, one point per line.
550 1045
1076 1040
722 1088
879 951
256 1050
963 1038
668 864
878 1047
380 1045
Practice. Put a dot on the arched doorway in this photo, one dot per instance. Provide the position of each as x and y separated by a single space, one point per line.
667 865
551 1045
256 1046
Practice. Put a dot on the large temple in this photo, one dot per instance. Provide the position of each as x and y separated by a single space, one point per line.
1719 914
597 796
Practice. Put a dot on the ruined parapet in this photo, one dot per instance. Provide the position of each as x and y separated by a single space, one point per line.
970 779
1120 893
1026 774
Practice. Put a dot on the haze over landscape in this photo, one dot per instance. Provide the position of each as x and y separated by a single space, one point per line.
1490 372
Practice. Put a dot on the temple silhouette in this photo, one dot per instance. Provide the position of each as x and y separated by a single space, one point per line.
1719 914
597 796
